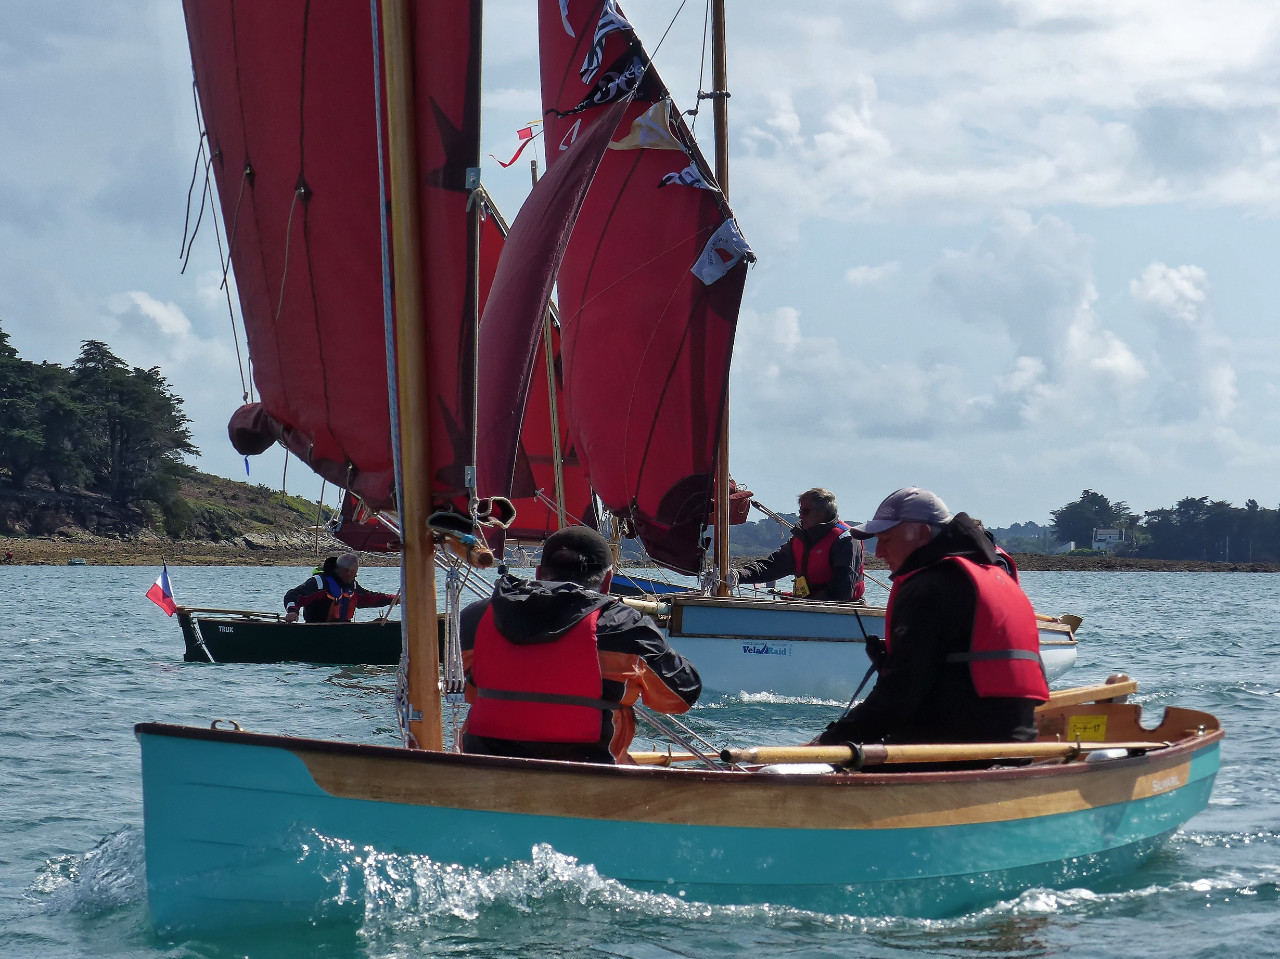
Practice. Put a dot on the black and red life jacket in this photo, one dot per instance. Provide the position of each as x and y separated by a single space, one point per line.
813 563
538 692
1010 565
1004 653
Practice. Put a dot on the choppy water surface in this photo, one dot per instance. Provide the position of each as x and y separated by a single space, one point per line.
85 656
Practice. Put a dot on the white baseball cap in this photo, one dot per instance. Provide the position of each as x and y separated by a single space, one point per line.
911 504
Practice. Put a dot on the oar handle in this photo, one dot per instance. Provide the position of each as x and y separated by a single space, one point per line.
858 756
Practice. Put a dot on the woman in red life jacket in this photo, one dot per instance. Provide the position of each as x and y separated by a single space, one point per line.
554 665
826 561
962 659
332 594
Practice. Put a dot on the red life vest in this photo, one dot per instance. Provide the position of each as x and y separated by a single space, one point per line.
539 693
1004 654
1013 567
342 599
814 563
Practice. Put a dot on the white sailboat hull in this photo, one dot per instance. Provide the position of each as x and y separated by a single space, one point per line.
800 649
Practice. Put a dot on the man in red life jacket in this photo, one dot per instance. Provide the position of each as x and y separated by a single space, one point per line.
826 561
332 594
554 665
961 660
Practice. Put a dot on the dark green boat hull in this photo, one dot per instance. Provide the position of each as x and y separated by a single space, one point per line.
232 639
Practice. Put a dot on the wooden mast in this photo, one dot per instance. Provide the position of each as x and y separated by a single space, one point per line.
720 85
413 382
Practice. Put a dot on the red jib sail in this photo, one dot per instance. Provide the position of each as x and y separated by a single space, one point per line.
289 100
516 447
649 288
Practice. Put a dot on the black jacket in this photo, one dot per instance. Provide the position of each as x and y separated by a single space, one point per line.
312 598
919 696
635 660
846 565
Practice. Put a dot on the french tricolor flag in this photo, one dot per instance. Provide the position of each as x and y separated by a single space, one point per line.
161 593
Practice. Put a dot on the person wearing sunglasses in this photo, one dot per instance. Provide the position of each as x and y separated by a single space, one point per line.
825 559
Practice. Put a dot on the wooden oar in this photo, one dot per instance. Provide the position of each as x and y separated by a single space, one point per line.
856 756
1066 619
386 613
656 757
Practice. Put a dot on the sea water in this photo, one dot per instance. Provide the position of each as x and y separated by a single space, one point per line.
84 656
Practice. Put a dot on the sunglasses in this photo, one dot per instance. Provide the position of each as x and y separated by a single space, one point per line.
806 510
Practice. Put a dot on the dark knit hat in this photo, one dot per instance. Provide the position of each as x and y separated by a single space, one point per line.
576 549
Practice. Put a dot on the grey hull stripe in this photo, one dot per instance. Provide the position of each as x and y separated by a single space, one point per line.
553 699
990 654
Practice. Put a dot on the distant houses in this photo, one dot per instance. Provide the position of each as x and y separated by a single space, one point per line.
1107 540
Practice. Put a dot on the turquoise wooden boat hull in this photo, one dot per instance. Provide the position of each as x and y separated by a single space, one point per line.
245 829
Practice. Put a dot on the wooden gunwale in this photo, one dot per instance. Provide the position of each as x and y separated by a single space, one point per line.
700 797
678 601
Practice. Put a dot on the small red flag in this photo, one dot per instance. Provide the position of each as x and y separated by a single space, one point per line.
161 593
526 137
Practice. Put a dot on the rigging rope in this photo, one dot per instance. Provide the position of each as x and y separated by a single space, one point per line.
320 515
246 384
677 732
224 257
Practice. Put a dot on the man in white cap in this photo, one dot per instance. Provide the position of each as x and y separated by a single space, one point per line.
554 665
961 659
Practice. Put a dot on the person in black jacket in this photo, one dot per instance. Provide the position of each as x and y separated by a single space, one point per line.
826 560
554 665
928 689
332 593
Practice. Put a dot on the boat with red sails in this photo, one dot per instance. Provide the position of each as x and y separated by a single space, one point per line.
252 828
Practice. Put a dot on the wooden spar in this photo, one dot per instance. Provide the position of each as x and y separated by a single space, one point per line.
876 755
1108 693
413 381
656 610
557 462
720 84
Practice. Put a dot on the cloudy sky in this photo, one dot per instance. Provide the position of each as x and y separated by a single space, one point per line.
1007 251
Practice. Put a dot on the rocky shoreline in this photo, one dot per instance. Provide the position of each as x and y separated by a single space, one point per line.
297 549
301 549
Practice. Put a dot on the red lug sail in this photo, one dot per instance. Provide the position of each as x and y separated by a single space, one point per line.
646 341
289 96
511 330
516 451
